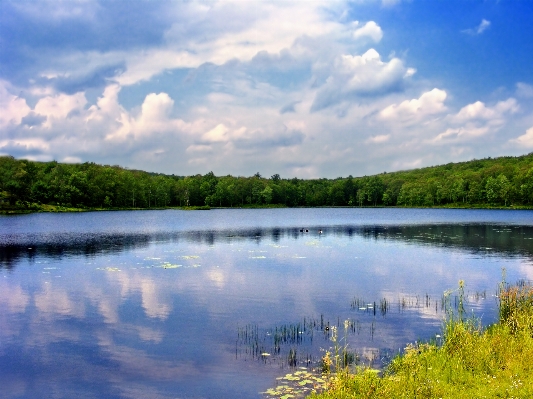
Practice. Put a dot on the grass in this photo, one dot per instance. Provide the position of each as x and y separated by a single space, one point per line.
33 208
471 362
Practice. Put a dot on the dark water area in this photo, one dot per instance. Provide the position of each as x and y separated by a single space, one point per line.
217 304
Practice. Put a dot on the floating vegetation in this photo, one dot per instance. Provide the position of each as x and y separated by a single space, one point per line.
304 382
297 385
109 269
300 346
170 266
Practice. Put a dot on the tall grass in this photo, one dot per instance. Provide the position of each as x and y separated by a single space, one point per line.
471 362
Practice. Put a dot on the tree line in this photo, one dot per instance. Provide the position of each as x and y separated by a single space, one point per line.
504 181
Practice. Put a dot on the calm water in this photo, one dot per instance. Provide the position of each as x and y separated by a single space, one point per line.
175 304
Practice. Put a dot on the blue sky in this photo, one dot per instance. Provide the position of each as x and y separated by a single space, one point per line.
302 88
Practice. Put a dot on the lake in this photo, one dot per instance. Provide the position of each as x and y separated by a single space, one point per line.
217 304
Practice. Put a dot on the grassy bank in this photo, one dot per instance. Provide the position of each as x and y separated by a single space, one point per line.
35 208
11 210
496 362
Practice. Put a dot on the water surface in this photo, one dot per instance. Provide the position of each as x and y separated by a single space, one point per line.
168 304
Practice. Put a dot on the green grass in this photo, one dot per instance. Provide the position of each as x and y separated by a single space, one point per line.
472 362
32 208
195 208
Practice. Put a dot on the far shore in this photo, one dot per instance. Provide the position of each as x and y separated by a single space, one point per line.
39 208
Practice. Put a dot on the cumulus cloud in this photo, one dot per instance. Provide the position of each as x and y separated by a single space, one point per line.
151 127
243 137
296 88
479 111
429 103
59 106
202 35
477 120
369 30
525 140
360 75
13 108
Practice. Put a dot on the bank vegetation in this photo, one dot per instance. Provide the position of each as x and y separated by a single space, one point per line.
497 182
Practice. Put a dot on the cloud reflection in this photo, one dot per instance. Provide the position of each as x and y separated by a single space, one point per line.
137 329
53 300
13 298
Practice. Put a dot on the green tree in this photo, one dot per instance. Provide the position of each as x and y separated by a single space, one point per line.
266 194
374 189
504 187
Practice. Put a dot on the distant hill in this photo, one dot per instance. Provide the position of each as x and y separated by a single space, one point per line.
489 182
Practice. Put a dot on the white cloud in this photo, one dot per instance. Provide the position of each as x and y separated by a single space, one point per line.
153 120
483 26
477 121
107 104
59 106
217 134
72 160
429 103
461 134
382 138
525 140
58 10
156 107
404 165
480 111
12 108
478 29
202 34
524 90
281 87
364 74
25 145
370 30
146 64
390 3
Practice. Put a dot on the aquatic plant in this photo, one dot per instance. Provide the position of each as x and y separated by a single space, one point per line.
304 381
470 362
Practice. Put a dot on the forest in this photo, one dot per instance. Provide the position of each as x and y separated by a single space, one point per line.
489 182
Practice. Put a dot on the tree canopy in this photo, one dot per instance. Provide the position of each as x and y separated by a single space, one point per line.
504 181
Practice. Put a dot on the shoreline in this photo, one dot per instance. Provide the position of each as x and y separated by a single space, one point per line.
62 209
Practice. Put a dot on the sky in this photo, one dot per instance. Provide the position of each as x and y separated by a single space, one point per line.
303 89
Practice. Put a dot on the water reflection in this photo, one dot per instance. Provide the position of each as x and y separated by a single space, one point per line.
477 238
192 313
